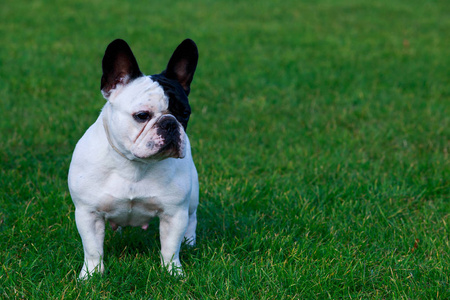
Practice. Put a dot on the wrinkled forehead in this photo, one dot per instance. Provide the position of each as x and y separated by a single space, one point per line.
144 93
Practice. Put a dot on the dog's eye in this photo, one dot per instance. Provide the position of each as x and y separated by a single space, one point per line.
142 116
185 114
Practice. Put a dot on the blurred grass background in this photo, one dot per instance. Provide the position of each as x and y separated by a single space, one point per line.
320 130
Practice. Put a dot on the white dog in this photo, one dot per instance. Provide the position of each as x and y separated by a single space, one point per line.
134 162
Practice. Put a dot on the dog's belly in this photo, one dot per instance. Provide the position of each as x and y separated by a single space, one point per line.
129 212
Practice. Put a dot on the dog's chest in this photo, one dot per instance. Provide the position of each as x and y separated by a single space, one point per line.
128 203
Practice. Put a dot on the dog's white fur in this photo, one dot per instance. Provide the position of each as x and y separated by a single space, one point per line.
126 186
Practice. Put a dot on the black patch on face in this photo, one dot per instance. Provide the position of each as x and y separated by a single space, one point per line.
178 101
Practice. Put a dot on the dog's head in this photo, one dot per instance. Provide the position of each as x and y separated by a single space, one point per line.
146 116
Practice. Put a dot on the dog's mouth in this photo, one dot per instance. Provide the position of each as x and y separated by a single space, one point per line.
168 151
171 149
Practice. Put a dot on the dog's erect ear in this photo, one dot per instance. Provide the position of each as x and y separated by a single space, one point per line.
119 66
182 64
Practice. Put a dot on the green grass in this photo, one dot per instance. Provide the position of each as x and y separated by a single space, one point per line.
320 130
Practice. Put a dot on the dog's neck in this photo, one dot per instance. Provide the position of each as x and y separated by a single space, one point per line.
108 136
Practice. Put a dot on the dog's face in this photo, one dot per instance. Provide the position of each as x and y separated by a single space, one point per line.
147 116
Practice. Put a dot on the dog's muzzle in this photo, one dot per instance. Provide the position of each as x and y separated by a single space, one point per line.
170 132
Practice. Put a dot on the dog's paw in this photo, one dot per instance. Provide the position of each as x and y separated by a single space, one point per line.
189 243
84 275
87 272
174 269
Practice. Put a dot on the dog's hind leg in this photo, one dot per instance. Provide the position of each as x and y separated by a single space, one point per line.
190 236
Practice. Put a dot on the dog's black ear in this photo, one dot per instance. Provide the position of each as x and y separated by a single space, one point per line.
182 64
119 66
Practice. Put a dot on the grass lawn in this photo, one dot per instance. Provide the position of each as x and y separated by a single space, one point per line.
320 130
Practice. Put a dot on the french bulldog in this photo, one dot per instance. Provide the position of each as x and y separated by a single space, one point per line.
134 163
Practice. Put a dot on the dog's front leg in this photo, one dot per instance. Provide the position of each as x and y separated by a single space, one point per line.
91 228
172 229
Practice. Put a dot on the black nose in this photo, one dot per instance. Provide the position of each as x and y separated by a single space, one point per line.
169 125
